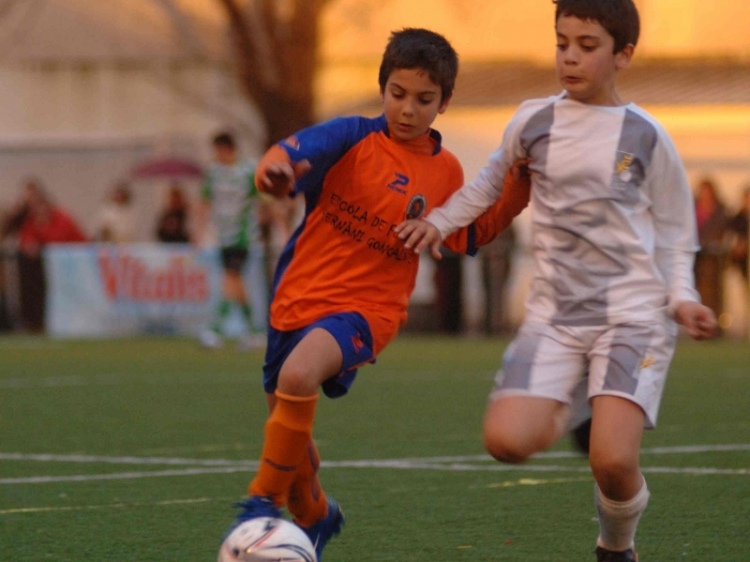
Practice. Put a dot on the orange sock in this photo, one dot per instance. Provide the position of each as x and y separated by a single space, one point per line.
287 433
307 501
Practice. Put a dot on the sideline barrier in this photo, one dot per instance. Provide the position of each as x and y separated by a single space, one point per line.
106 290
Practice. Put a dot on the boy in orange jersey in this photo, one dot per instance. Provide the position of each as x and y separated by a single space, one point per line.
343 282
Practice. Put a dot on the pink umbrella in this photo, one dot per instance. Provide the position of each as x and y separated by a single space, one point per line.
168 168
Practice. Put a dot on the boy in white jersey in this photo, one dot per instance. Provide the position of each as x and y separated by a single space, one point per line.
613 240
231 199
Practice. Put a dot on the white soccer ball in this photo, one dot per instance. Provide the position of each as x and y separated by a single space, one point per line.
267 539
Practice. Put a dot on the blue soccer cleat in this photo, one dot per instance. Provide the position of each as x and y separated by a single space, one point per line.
252 507
322 531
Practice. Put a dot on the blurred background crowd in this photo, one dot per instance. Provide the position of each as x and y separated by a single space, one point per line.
109 108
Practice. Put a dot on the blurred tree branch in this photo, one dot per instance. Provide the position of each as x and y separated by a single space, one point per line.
275 44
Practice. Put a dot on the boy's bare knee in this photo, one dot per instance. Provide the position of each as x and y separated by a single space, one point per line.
296 382
614 472
504 449
507 456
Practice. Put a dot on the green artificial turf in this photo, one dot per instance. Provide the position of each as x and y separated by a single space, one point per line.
134 450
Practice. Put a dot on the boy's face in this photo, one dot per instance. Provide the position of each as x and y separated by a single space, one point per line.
411 101
225 154
585 63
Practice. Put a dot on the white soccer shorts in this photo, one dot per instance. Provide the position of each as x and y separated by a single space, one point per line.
626 360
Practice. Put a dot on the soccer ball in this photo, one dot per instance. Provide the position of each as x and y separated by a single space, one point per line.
267 539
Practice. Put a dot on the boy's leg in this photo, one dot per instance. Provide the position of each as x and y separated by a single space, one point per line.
516 427
253 338
234 291
286 434
307 502
319 517
220 315
621 494
627 372
288 430
325 354
211 336
529 406
315 359
224 306
234 288
251 299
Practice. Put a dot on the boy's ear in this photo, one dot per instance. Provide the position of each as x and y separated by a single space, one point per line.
444 104
623 58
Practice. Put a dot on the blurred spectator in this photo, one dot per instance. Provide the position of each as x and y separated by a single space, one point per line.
738 235
5 266
232 204
36 221
496 269
172 225
116 222
713 220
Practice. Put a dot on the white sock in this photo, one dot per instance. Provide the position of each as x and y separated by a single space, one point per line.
619 520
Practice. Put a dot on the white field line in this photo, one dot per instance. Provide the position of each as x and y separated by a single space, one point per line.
474 463
74 381
90 459
60 382
396 465
103 506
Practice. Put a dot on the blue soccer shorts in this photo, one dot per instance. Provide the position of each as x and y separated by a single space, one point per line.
350 330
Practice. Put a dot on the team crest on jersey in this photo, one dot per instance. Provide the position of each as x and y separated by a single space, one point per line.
416 207
622 168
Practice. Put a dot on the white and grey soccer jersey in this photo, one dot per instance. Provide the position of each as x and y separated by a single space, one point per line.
613 222
234 203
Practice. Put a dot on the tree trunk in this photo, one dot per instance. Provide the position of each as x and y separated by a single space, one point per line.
276 48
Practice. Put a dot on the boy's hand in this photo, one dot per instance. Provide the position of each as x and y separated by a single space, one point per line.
420 234
699 320
519 172
278 177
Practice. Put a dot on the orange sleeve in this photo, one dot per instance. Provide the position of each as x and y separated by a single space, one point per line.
514 199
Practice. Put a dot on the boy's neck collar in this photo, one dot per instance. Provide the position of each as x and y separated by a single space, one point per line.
428 143
617 101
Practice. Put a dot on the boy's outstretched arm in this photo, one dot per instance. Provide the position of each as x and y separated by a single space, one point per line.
420 233
276 173
699 320
514 199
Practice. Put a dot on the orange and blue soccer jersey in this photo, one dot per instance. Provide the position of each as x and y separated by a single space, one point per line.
345 256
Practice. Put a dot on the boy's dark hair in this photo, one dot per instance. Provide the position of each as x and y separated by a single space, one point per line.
224 139
421 48
618 17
